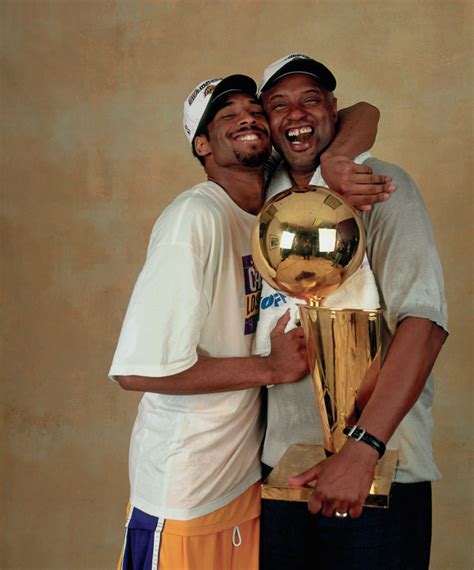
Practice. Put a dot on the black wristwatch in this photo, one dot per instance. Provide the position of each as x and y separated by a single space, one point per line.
359 434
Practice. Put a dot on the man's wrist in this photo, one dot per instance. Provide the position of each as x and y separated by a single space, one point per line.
358 452
267 377
358 433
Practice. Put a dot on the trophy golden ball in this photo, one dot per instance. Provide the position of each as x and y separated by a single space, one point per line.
307 241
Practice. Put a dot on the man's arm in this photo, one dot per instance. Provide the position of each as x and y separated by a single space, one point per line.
344 480
286 363
356 132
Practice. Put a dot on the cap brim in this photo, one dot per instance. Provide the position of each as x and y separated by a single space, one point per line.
230 84
307 66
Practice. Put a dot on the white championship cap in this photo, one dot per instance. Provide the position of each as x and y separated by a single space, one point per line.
296 63
201 103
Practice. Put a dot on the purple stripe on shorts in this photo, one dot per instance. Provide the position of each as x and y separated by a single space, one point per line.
142 541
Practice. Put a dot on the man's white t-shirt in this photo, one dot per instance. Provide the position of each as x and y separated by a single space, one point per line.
198 294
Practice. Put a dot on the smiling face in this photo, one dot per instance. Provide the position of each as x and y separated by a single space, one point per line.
238 135
302 117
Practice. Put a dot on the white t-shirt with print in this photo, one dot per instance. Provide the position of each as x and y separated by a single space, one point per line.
197 294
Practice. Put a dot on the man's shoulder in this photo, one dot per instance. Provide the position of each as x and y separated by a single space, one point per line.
200 201
191 218
199 195
388 169
404 213
407 192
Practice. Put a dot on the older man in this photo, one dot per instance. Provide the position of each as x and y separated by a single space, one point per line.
298 99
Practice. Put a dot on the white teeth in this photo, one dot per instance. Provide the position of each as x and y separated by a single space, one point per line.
300 131
247 138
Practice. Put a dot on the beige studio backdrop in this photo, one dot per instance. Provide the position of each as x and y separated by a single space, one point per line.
93 150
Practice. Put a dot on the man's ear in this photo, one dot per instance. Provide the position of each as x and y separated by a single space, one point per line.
201 145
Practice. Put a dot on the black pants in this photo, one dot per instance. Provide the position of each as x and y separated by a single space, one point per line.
397 538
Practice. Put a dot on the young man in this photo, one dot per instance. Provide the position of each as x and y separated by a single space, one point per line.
195 449
186 343
297 95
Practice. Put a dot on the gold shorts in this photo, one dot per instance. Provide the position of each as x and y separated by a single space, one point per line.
226 539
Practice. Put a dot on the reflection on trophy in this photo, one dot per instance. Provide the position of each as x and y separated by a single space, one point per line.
307 242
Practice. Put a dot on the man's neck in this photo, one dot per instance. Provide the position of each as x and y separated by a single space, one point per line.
243 185
303 175
301 178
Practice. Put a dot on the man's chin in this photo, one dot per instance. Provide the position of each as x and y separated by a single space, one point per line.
254 160
301 158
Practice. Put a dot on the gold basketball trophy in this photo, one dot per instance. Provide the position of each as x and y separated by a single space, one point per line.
306 243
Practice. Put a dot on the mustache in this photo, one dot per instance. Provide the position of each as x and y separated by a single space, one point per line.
250 129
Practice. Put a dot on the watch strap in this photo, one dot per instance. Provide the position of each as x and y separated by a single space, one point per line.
360 434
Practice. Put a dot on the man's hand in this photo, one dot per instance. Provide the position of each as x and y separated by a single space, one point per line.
288 359
355 182
342 482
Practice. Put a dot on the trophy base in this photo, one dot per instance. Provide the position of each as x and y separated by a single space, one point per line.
301 456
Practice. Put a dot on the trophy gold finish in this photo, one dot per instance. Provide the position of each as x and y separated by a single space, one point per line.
307 242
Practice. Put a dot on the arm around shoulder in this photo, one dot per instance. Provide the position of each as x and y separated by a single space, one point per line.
356 132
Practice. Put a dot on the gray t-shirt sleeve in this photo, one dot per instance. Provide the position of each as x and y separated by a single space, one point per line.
402 253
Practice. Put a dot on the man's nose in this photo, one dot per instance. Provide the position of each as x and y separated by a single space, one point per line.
246 118
295 112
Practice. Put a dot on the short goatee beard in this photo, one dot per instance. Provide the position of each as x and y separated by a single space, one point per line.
253 160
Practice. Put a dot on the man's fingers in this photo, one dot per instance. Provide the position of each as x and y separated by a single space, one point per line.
365 188
328 508
279 328
362 168
297 332
374 179
305 477
358 200
347 165
358 187
356 511
315 503
335 508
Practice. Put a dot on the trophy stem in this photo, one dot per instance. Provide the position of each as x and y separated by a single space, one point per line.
344 355
344 351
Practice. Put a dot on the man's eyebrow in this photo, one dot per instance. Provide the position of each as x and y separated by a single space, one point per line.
225 105
276 96
313 90
306 92
230 103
